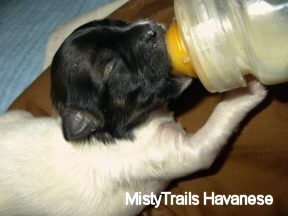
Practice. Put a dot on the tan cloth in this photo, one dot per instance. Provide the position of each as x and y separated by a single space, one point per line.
255 160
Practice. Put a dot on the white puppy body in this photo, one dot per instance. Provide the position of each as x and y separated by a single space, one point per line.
42 174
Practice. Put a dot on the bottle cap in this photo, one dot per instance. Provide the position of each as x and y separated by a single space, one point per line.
180 59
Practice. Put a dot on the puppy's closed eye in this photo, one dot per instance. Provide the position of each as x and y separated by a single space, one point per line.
109 67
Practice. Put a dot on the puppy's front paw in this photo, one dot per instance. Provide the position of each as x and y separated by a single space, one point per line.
246 98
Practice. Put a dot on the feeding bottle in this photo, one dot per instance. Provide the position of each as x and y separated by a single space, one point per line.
222 41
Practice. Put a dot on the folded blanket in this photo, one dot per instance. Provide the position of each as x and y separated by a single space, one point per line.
25 27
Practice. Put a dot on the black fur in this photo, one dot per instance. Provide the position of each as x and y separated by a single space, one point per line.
108 76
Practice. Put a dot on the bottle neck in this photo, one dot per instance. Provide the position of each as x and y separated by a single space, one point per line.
180 59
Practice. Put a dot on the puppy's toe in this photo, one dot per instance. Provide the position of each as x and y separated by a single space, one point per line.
257 89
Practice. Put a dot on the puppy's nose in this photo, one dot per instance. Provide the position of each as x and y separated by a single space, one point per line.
150 34
153 30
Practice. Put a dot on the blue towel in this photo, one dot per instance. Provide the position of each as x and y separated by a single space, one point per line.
25 26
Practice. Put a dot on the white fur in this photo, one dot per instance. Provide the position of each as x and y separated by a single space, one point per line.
42 174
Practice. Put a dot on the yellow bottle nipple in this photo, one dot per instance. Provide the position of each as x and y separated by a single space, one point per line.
180 59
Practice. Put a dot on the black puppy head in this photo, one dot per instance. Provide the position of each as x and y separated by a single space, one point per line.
108 76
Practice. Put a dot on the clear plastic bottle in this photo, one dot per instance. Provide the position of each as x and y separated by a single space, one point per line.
221 41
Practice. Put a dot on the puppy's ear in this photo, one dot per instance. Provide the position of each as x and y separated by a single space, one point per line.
79 124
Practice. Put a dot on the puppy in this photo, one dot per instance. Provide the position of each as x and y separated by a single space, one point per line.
110 80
